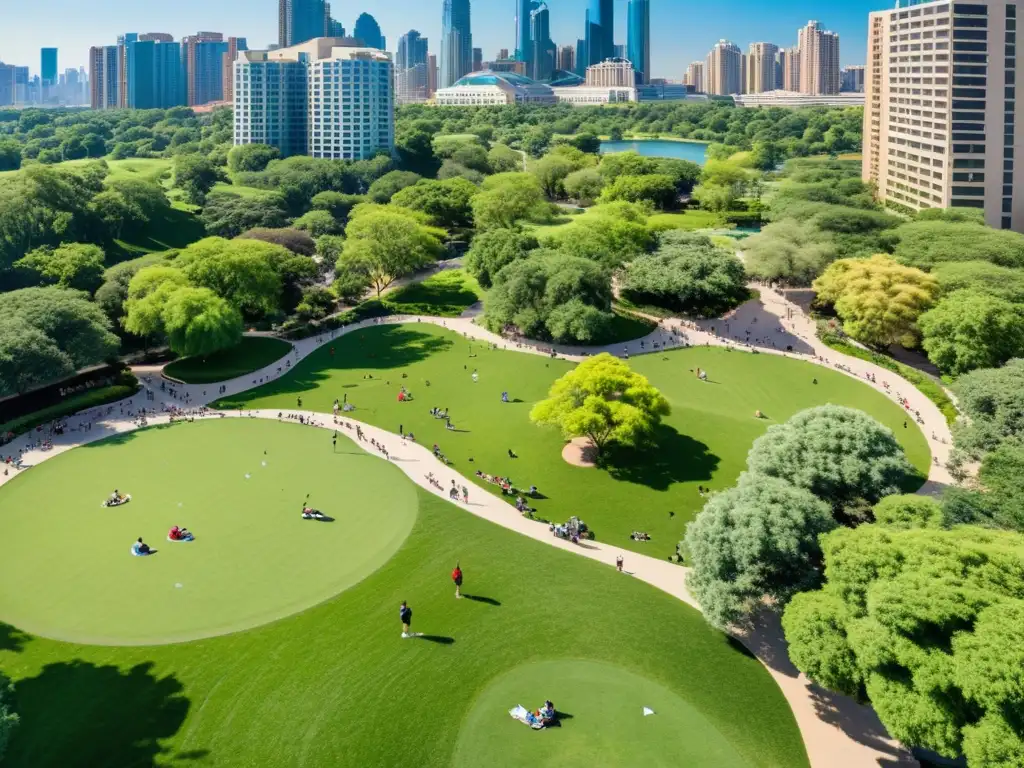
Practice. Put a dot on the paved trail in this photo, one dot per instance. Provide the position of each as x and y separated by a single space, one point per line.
837 732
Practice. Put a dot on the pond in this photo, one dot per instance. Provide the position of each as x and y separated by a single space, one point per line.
682 150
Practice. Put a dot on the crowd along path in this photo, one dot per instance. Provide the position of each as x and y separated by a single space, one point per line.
837 731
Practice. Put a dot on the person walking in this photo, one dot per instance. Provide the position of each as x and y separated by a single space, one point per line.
405 614
457 578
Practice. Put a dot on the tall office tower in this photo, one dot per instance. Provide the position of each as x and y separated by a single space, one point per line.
302 20
695 76
456 42
852 79
368 30
567 58
618 52
153 73
48 66
478 59
235 44
412 79
103 76
819 60
582 60
6 84
638 38
789 66
542 60
600 31
203 62
743 73
933 139
335 29
122 66
722 69
524 39
761 66
503 53
432 74
616 73
325 98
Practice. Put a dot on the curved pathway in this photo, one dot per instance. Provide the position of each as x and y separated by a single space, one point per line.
836 730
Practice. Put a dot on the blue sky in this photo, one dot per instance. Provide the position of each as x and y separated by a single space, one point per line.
681 30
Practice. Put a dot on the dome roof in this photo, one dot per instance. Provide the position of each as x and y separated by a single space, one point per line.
487 77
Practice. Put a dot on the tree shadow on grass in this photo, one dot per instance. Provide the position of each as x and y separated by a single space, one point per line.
383 347
120 438
78 713
670 458
12 638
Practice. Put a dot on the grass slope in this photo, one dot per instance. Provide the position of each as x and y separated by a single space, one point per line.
446 294
336 685
250 354
704 442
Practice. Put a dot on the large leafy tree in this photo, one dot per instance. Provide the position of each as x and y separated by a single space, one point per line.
228 215
878 299
983 277
385 244
509 198
242 271
756 540
925 624
841 455
584 186
605 401
656 188
70 265
688 273
147 295
789 251
251 157
198 321
196 176
992 402
8 717
926 244
614 234
128 206
113 293
969 329
384 188
494 249
447 203
28 359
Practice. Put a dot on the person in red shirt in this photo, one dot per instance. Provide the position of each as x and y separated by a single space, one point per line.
457 578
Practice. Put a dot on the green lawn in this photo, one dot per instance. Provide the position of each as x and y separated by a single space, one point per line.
240 190
335 684
446 294
704 442
688 220
250 354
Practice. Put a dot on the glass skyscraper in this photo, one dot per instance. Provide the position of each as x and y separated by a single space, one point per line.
456 42
524 39
368 30
600 31
48 68
638 38
302 20
154 74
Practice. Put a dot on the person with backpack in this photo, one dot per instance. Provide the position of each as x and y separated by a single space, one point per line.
405 614
457 578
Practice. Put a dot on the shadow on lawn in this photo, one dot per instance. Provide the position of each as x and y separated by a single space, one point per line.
671 458
126 437
381 347
12 638
78 713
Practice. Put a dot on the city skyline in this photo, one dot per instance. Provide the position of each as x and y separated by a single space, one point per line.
677 36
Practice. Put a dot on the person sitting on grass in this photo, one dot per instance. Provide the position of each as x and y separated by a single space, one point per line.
140 547
179 534
308 513
546 714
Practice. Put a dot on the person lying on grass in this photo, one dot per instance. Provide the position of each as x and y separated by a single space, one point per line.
179 534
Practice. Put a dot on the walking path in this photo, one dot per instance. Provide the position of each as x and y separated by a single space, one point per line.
837 732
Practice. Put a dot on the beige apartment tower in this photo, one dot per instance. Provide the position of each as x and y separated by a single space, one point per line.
941 118
819 60
723 69
789 61
761 67
695 76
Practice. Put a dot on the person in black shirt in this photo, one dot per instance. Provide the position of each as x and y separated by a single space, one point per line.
405 614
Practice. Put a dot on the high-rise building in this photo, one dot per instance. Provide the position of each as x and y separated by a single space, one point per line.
368 30
761 68
6 84
600 31
582 60
567 58
412 79
103 77
432 74
819 60
153 73
723 69
615 73
852 78
638 38
327 98
618 51
122 66
235 44
503 53
335 28
302 20
695 76
478 59
789 66
456 42
940 126
203 64
48 66
542 59
524 39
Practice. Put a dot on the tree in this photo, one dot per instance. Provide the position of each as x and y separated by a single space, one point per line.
244 272
383 245
317 302
1001 475
447 203
71 265
992 402
339 205
909 511
686 273
982 276
878 299
756 540
841 455
196 176
722 183
28 359
198 322
251 157
925 624
504 159
789 252
318 223
657 189
228 215
8 717
295 240
603 400
508 198
551 171
128 206
494 249
113 293
584 186
384 188
10 155
969 329
148 292
615 234
926 244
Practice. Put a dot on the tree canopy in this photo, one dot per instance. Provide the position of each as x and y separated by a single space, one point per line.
992 402
70 265
494 249
928 243
508 198
969 329
198 321
605 401
447 203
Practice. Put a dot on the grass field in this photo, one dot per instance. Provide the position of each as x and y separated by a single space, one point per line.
704 442
335 684
688 220
250 354
446 294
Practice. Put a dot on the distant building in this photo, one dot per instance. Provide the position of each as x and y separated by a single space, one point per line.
852 79
235 44
328 98
613 72
507 65
494 88
48 66
367 30
599 32
302 20
819 60
456 42
761 66
723 69
542 63
789 70
695 76
638 37
432 74
335 28
153 73
412 78
503 53
795 99
203 56
103 77
567 58
589 95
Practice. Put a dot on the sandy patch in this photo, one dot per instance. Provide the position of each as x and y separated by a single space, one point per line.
580 453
